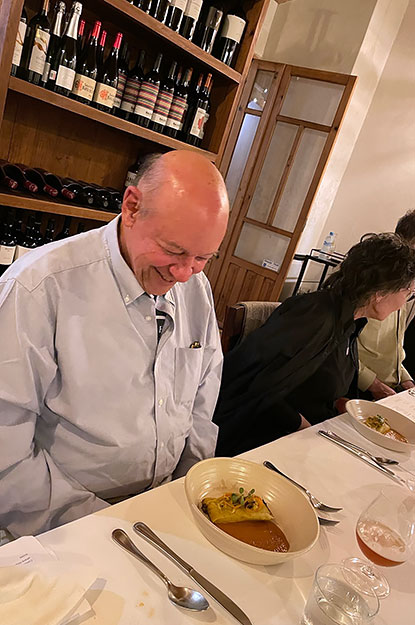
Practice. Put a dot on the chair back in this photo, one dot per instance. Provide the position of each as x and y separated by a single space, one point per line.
242 318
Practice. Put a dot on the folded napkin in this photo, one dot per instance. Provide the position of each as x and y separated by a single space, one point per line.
36 589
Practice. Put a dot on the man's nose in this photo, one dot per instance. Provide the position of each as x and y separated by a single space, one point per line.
182 271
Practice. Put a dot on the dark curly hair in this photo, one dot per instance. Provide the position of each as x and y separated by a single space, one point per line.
406 227
380 263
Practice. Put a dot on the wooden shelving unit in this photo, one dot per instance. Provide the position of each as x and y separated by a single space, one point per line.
42 128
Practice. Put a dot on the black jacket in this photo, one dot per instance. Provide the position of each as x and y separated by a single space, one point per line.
274 361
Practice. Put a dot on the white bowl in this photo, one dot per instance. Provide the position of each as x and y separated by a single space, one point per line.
291 508
360 409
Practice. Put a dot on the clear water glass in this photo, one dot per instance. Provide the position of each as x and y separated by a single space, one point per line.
336 598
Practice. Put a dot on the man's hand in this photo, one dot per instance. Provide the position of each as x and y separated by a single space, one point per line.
340 404
380 390
407 384
304 423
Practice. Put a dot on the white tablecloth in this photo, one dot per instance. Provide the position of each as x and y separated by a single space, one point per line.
127 593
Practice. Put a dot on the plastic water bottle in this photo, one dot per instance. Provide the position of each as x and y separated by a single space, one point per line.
328 245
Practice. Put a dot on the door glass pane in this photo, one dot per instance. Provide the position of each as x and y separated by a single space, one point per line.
257 245
307 156
240 155
260 90
272 170
312 100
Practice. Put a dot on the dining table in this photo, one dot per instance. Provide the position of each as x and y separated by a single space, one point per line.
126 592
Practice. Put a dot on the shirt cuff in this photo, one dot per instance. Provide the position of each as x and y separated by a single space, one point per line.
366 378
405 376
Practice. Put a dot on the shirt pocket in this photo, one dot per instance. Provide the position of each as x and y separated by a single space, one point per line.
188 372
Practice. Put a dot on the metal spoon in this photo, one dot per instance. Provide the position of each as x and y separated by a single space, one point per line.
179 595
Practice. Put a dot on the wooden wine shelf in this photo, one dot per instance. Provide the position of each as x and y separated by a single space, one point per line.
29 202
60 101
174 38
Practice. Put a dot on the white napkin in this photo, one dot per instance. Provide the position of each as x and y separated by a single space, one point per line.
38 589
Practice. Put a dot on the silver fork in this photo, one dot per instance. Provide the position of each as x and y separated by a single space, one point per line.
316 503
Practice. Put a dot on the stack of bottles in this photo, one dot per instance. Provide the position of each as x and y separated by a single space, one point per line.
17 237
20 177
67 62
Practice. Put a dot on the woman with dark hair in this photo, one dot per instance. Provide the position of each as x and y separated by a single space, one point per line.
289 373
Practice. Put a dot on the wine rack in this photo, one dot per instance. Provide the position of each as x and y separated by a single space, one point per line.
41 128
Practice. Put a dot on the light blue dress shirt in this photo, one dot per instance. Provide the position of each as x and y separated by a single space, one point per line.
91 405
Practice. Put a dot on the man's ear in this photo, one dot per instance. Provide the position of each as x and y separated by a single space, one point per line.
131 205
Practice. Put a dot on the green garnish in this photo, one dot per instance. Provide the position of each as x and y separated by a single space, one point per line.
241 498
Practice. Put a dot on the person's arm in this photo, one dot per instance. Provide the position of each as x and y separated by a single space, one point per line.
201 441
35 495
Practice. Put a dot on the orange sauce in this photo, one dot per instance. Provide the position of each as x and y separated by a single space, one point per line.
262 534
398 437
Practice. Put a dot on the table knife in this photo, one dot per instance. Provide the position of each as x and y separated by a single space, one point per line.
145 532
363 455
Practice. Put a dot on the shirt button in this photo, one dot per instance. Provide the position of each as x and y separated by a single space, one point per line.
161 402
161 445
126 299
149 318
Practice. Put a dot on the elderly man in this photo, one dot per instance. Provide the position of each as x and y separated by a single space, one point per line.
110 357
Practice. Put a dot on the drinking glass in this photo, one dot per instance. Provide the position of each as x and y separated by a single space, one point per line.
386 528
337 598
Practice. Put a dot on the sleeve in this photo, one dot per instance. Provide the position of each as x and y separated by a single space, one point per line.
35 495
366 376
201 441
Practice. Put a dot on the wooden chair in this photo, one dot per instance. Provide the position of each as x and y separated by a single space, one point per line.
242 318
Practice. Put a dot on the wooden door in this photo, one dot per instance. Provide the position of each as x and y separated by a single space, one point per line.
279 145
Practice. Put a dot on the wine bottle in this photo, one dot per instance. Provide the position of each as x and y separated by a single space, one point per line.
197 116
80 42
63 69
65 232
132 88
100 195
115 200
123 71
50 231
210 22
131 177
30 240
179 105
164 101
81 228
144 5
148 93
35 46
174 14
15 173
6 181
230 36
36 177
54 41
159 8
18 46
87 69
55 182
8 244
190 17
106 87
101 49
83 196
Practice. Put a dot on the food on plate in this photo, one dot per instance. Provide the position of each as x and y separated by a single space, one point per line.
247 518
381 425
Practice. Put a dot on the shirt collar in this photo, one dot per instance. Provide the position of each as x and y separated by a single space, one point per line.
128 284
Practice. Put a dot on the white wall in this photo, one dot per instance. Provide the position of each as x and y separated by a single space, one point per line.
378 185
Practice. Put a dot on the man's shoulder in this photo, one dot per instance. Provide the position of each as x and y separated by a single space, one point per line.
196 289
58 257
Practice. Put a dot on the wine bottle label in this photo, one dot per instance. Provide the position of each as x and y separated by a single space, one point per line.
122 80
21 251
84 87
130 96
162 107
198 125
180 4
146 100
7 254
38 56
105 95
193 8
177 111
233 28
131 178
65 77
18 46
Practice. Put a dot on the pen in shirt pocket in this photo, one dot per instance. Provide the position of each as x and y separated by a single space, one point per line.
195 345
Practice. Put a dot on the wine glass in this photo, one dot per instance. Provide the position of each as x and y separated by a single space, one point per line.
385 530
